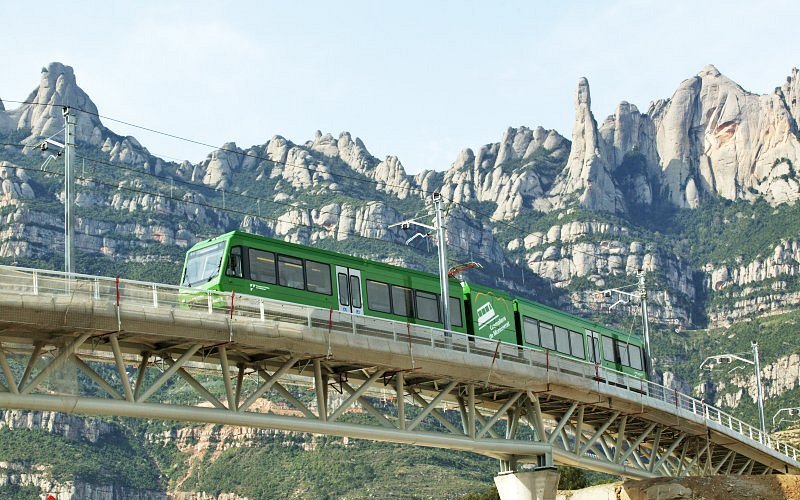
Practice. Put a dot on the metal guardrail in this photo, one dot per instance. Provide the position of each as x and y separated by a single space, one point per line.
26 281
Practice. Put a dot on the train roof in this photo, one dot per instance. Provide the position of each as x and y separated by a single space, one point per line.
320 251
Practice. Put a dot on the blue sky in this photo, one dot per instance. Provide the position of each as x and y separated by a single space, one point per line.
417 79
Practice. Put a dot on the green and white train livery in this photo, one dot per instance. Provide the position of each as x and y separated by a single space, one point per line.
255 265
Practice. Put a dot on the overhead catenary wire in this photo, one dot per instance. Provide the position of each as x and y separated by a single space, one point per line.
243 153
214 207
213 190
202 186
219 208
303 166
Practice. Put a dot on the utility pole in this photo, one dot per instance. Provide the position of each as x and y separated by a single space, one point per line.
441 234
759 387
642 289
641 296
69 196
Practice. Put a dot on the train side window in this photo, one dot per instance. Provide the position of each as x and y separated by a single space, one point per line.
355 291
402 298
378 296
623 353
290 272
562 340
427 306
262 265
235 263
576 344
636 357
455 312
594 346
344 297
546 334
318 277
531 328
608 349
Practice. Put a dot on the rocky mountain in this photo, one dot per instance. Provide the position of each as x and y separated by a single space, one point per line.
712 138
699 191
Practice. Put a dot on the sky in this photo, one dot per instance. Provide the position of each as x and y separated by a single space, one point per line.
420 80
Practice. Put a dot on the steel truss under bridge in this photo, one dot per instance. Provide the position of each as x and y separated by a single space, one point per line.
100 346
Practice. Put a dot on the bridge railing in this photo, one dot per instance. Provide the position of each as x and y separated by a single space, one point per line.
122 292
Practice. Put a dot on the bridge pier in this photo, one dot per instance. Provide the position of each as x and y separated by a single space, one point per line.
538 484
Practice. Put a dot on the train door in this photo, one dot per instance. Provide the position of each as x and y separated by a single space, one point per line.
593 341
348 282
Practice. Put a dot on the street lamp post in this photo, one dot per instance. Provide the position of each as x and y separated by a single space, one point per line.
710 361
792 412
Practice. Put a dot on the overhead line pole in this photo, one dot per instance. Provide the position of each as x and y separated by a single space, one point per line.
441 235
645 323
69 196
759 387
641 296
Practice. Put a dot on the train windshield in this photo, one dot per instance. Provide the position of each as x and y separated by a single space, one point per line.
203 265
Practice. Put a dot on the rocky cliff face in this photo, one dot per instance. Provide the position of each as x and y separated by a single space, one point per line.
514 174
68 426
92 430
40 476
711 138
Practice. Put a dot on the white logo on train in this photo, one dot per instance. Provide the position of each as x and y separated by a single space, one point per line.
487 316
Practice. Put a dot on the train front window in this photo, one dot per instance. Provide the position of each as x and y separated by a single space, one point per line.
235 263
203 265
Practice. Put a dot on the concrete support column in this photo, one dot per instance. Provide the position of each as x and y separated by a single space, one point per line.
538 484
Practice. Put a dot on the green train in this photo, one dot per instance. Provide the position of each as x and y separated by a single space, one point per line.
255 265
